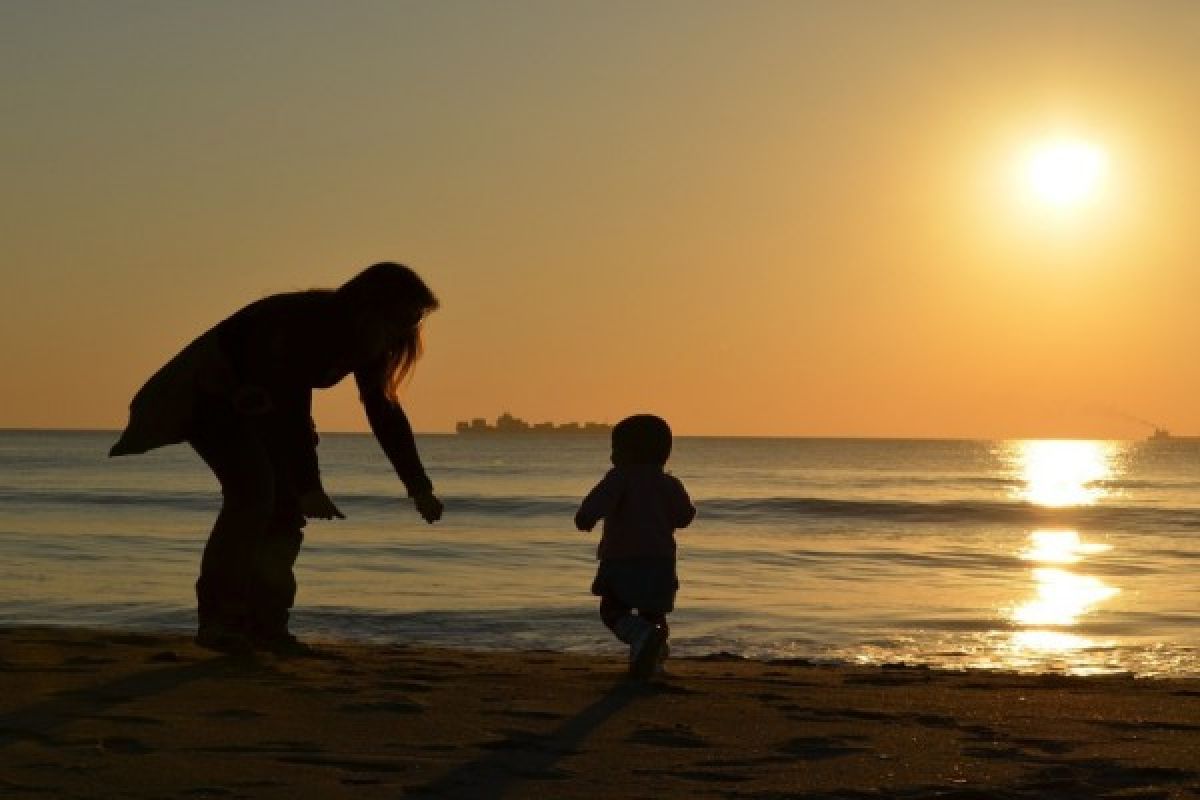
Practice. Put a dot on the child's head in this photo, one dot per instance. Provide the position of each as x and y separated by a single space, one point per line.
641 439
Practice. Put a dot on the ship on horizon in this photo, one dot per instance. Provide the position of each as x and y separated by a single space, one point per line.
507 423
1164 435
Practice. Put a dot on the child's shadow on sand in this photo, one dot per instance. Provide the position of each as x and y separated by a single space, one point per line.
525 755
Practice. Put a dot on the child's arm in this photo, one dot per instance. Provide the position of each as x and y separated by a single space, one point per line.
681 505
599 502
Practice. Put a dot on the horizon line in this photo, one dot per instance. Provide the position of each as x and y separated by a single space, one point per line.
812 436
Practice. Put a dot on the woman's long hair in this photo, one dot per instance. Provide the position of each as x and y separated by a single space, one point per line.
394 293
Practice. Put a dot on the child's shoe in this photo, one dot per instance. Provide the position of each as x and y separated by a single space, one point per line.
645 653
661 667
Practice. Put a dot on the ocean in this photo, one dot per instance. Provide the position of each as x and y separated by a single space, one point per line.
1064 556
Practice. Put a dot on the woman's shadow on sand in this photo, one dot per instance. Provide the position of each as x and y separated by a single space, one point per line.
38 722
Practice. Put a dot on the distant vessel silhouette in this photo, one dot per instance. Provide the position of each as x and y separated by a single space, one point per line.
1164 435
507 423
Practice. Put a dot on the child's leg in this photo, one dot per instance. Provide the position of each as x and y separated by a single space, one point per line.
659 620
612 611
646 635
656 618
632 629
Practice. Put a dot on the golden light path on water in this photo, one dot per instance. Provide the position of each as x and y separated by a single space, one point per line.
1060 474
1057 474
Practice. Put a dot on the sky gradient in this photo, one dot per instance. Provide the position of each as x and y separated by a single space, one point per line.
759 218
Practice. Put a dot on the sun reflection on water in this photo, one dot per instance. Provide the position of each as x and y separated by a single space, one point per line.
1060 547
1061 597
1060 474
1039 641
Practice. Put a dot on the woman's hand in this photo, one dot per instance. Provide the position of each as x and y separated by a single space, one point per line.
317 505
428 506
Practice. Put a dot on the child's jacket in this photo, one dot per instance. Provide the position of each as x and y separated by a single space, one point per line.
641 507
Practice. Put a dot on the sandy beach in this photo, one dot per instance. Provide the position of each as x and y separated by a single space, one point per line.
89 713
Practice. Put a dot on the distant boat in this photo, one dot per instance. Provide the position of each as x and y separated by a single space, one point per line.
507 423
1164 435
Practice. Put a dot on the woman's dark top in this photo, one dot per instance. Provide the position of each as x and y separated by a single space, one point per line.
267 359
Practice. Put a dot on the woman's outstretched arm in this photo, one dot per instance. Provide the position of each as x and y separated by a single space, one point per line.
394 433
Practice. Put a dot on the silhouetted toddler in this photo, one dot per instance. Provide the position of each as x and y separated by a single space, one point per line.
641 506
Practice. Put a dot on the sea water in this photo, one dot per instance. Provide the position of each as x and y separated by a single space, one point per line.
1072 556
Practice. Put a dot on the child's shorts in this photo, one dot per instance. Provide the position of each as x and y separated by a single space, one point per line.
647 584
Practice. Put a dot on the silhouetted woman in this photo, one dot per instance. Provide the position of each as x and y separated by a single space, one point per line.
241 395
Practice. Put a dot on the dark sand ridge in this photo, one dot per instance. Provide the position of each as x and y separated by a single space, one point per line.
87 713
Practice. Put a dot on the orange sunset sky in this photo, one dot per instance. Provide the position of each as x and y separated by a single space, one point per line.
754 218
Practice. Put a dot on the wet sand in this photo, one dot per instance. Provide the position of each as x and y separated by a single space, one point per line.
86 713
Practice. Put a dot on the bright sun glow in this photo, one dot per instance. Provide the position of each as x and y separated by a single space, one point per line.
1065 173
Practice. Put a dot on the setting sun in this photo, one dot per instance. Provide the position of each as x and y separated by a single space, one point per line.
1065 173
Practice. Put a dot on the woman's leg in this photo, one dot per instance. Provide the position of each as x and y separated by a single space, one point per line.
236 455
274 584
